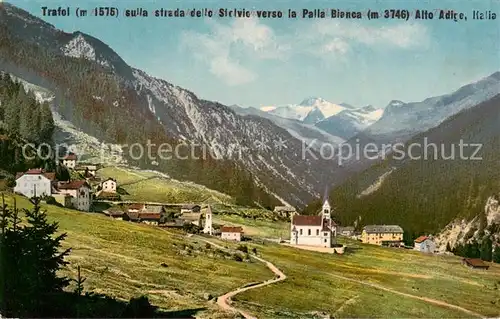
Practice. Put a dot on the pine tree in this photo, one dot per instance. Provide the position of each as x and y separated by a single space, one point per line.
496 254
30 260
487 249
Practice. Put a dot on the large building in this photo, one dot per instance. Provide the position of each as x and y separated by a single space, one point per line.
35 181
384 235
80 193
316 230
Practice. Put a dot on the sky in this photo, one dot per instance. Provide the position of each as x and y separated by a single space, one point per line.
264 62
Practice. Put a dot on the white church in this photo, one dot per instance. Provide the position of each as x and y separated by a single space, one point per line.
315 230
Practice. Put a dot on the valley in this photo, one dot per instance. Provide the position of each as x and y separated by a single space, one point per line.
276 204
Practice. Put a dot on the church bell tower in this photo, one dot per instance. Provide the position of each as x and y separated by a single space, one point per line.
326 210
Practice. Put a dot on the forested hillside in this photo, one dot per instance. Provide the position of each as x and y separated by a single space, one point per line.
424 195
22 120
102 101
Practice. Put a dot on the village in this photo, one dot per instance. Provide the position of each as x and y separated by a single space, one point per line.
319 232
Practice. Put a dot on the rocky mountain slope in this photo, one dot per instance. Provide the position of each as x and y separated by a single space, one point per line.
431 185
101 95
462 231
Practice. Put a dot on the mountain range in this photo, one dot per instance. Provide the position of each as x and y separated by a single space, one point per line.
100 94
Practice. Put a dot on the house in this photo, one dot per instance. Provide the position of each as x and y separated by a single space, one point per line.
424 244
131 216
315 230
150 218
135 207
285 211
115 212
70 160
347 231
231 233
384 235
190 208
108 185
475 263
79 191
35 181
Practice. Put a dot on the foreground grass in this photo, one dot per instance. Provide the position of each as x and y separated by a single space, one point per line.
313 284
256 227
123 259
151 186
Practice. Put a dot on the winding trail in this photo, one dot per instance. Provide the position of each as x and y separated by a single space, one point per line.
224 301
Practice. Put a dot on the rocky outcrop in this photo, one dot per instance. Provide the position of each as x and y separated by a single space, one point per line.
463 231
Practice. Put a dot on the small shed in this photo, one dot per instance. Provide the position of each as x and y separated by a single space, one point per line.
475 263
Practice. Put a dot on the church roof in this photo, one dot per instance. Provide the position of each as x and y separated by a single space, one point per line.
306 220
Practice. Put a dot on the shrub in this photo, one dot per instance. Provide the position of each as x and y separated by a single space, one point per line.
237 257
243 248
208 246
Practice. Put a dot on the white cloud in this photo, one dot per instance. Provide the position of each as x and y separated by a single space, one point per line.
249 40
404 36
219 47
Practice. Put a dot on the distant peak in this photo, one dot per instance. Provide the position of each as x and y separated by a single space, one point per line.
312 101
396 103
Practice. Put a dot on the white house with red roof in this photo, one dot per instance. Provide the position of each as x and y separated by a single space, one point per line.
34 181
315 230
79 191
425 244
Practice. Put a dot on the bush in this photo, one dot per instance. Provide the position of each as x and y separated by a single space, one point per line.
237 257
254 250
208 246
243 248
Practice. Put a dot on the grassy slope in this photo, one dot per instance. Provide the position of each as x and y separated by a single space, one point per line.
150 186
124 259
312 286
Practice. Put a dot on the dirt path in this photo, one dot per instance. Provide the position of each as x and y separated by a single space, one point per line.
224 301
429 300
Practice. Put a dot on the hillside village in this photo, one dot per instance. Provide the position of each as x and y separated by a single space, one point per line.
85 191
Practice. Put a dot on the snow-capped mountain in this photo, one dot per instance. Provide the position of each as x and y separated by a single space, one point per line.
411 118
303 109
350 122
100 94
308 134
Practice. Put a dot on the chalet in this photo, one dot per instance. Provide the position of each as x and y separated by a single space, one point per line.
424 244
192 218
284 211
475 263
115 212
35 181
315 230
347 231
231 233
136 207
79 191
150 218
108 185
190 208
70 160
131 216
384 235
